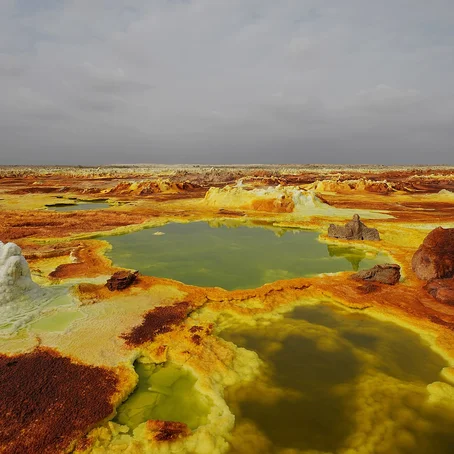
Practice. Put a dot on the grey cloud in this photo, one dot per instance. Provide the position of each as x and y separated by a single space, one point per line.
98 105
110 82
10 66
226 81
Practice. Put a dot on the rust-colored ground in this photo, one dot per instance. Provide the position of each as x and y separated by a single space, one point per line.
47 401
158 321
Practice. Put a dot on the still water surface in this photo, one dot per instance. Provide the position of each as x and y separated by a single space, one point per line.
78 206
332 375
233 257
333 380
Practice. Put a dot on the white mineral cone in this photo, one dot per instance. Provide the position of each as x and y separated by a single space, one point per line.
15 277
21 299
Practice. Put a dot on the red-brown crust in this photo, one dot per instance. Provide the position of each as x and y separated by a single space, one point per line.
47 401
167 430
157 321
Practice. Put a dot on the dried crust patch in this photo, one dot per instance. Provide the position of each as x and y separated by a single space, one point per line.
47 401
167 430
160 320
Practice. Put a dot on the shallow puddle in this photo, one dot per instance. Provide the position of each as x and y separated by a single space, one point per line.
165 393
31 309
334 381
232 258
78 206
58 321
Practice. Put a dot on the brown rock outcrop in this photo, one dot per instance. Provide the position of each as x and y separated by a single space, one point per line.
121 280
435 257
442 290
389 274
353 230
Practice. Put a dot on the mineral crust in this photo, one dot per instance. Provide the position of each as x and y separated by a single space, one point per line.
15 277
47 401
72 374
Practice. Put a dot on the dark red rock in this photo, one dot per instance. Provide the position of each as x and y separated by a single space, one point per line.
121 280
389 273
353 230
435 257
442 290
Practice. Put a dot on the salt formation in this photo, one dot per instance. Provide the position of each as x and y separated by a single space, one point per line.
15 277
20 297
146 187
280 199
357 185
290 200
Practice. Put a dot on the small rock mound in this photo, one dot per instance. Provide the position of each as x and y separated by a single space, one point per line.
389 274
442 290
353 230
435 257
121 280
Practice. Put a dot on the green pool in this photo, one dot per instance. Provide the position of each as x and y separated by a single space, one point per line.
337 380
233 257
164 392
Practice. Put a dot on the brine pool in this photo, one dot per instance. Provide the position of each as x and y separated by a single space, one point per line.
333 381
233 257
337 380
164 392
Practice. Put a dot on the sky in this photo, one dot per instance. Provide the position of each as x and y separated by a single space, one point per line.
94 82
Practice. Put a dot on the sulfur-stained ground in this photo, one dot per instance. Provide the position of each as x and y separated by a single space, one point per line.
160 321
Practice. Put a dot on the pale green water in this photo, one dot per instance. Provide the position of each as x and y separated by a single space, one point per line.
322 415
78 206
166 393
58 321
29 311
240 257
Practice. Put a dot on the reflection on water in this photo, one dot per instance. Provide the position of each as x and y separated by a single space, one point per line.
336 380
351 254
400 352
231 258
166 393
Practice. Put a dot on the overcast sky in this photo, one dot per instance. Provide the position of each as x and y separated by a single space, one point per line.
226 81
